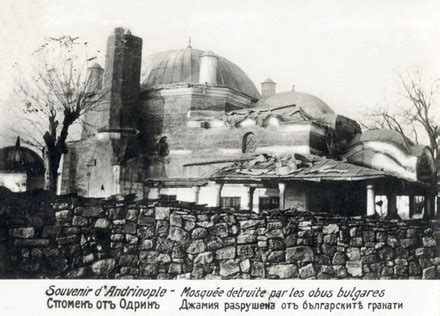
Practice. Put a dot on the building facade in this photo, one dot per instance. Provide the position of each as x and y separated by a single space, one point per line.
171 122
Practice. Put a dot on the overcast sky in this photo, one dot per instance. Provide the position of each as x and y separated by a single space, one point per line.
345 52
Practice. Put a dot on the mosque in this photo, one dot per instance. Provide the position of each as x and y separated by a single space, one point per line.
190 125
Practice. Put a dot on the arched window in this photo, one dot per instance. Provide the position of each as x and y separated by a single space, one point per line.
249 144
163 148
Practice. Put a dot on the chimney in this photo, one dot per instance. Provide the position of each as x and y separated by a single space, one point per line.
122 77
94 74
208 68
268 88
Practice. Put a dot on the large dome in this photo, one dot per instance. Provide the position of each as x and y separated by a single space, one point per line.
182 66
312 105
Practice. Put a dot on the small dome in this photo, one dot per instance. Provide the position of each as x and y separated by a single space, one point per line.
312 105
268 80
21 159
183 66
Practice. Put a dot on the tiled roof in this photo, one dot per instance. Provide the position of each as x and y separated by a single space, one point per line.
298 167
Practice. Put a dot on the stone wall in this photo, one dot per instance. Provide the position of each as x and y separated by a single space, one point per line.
72 237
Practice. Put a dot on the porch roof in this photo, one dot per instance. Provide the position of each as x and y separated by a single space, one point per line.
298 167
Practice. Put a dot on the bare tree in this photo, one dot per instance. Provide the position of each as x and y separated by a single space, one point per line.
423 107
53 93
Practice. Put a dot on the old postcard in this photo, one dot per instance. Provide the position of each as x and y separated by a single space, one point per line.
220 156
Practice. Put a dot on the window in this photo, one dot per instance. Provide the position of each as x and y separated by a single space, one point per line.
249 144
269 202
168 198
231 201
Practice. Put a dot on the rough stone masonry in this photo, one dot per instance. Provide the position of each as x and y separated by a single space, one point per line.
73 237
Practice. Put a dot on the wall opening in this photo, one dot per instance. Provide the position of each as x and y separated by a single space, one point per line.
249 143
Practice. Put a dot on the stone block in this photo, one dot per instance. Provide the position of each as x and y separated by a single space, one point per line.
129 228
164 245
251 223
354 268
328 250
229 267
381 236
429 242
176 220
392 241
146 220
91 211
149 270
88 258
338 258
325 272
175 268
369 236
408 242
258 270
245 251
145 232
221 230
414 268
282 271
330 229
51 230
103 267
146 244
79 221
63 216
178 234
246 238
275 233
301 254
276 256
225 253
330 239
188 225
127 260
290 241
162 228
204 258
356 242
117 237
245 266
68 239
307 271
274 225
102 223
233 230
132 215
401 267
131 239
196 246
24 232
353 253
116 213
275 244
154 257
199 233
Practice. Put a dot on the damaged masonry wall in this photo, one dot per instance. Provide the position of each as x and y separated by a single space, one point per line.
93 238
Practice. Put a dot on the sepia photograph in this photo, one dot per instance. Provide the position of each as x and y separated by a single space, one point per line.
220 140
